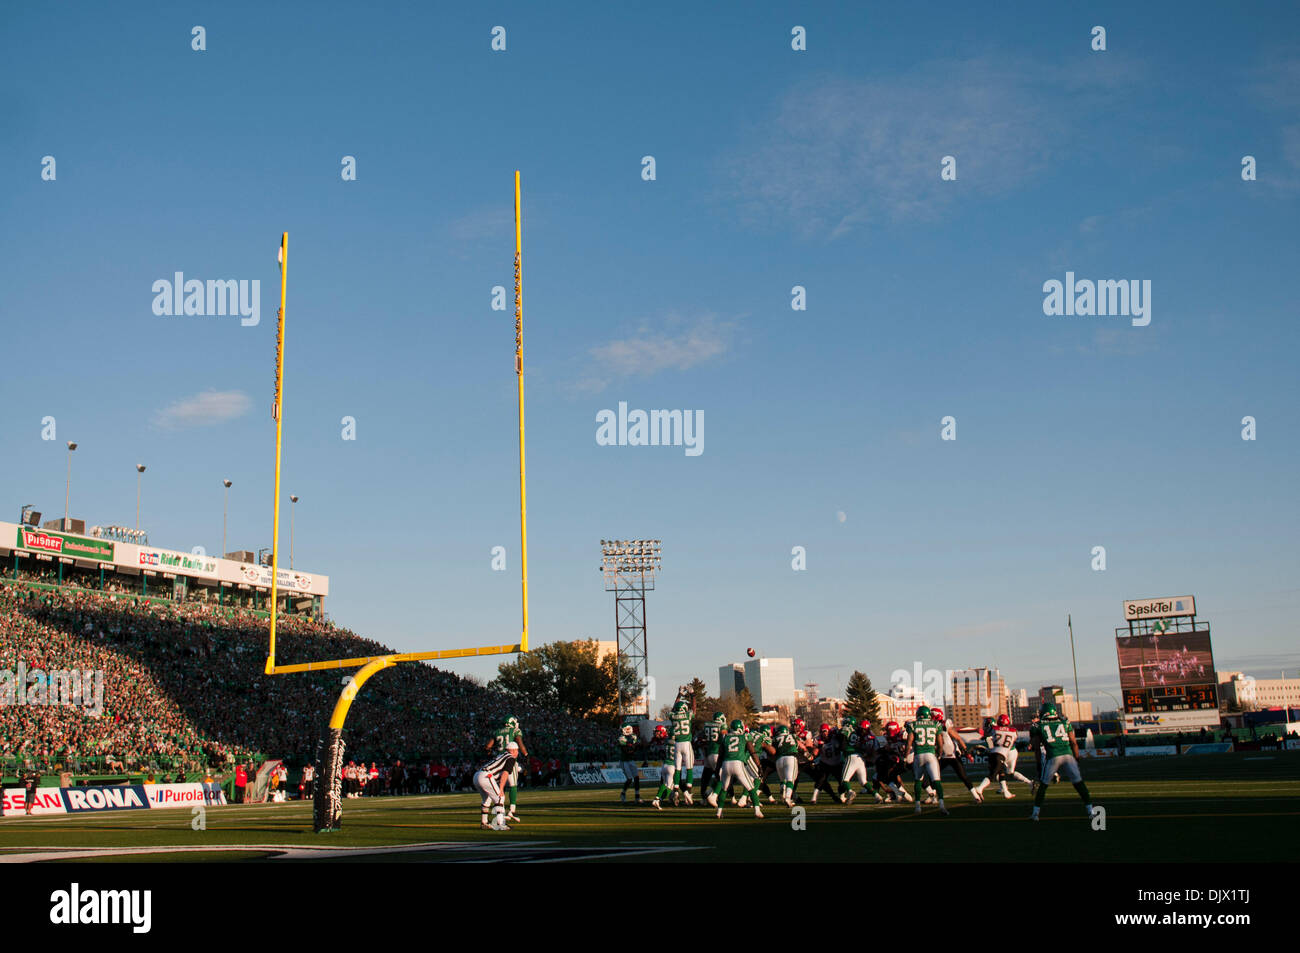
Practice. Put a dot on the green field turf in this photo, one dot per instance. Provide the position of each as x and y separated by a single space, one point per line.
1234 807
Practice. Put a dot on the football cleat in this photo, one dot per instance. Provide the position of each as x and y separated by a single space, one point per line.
758 812
918 809
943 810
711 799
979 798
719 813
655 804
689 800
851 796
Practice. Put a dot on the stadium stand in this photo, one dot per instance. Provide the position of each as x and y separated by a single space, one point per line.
184 689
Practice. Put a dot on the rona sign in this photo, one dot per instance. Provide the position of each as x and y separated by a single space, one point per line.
1159 608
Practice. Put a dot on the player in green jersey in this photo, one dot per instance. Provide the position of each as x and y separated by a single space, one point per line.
788 748
1061 756
684 747
922 742
666 747
736 749
711 733
509 733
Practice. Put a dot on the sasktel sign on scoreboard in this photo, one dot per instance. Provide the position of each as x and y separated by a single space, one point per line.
1166 667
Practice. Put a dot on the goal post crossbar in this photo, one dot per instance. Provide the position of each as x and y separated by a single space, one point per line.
364 660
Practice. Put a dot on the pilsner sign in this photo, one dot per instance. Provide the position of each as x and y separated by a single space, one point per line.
1159 608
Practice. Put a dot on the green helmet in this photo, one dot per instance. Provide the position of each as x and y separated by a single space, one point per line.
737 725
923 712
719 718
512 722
1048 711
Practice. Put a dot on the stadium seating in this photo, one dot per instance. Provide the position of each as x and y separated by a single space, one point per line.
184 688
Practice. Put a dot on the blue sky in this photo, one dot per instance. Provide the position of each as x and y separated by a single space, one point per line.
774 168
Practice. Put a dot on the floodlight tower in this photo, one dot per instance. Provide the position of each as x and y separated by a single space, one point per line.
629 567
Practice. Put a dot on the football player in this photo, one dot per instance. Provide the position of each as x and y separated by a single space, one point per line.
854 766
952 748
491 777
787 746
889 762
922 741
827 762
507 733
1056 736
667 747
736 750
807 750
628 743
761 764
711 733
1002 757
684 748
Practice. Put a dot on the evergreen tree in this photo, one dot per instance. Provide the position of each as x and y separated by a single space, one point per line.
860 700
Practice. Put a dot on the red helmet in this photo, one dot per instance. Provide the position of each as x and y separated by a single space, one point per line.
824 730
936 714
864 725
892 729
1004 721
799 725
661 731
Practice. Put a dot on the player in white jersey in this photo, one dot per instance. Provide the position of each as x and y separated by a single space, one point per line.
952 748
490 781
1001 740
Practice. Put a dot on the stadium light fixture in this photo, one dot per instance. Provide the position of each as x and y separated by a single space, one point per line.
139 469
67 492
292 499
225 509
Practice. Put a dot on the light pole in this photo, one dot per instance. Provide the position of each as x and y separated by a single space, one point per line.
292 499
139 469
629 567
67 492
224 510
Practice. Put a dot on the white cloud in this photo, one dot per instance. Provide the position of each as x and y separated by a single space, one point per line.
203 410
839 154
649 352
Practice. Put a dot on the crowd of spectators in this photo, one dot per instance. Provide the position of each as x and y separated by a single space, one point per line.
184 687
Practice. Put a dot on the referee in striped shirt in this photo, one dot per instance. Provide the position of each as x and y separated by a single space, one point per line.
490 779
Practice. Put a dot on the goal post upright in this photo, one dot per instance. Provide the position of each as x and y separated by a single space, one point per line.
328 810
519 375
276 412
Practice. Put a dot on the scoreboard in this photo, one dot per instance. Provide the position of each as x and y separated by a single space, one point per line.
1204 697
1167 678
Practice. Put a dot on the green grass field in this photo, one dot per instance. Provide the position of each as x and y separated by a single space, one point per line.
1234 807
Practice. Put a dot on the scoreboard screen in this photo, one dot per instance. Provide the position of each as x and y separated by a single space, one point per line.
1166 672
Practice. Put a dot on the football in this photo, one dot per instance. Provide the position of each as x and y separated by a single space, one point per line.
749 652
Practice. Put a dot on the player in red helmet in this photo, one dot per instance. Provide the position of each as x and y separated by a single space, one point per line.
1001 742
889 764
827 762
952 749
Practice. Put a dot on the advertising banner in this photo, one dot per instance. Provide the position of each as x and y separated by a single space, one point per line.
1166 608
164 560
61 544
287 580
1164 722
120 797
